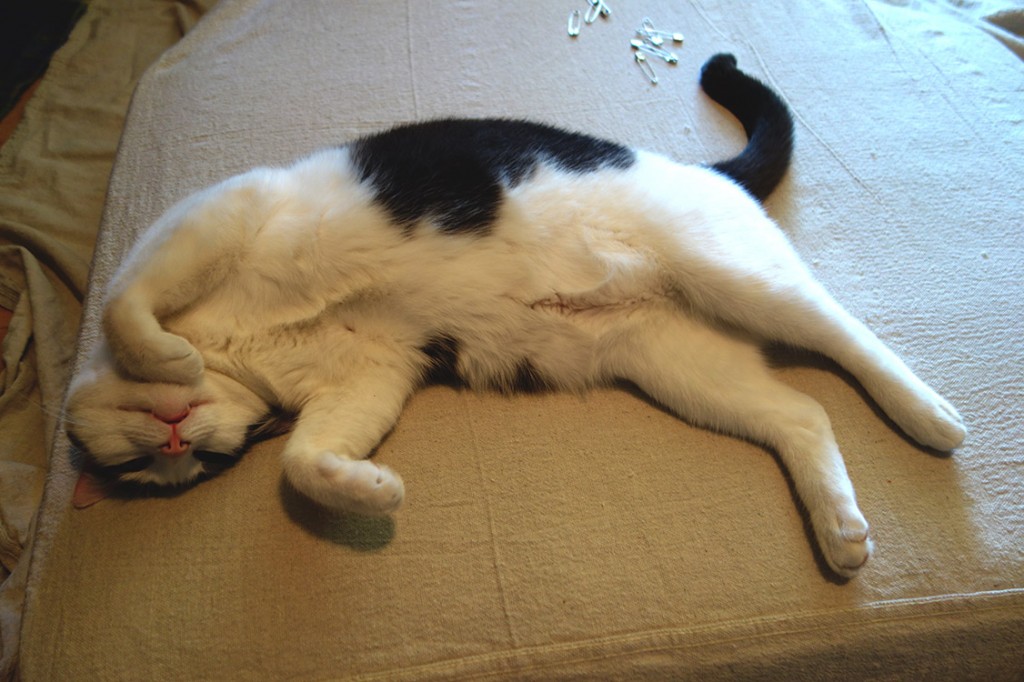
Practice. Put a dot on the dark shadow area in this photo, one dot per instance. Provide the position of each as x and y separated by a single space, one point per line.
30 32
361 533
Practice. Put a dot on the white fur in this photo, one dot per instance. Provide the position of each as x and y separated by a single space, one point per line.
290 288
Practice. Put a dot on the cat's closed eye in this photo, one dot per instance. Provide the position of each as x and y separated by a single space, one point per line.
131 466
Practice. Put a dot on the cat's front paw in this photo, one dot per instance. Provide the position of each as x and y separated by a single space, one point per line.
358 486
175 361
164 358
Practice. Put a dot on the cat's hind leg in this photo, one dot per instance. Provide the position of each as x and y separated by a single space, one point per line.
786 304
734 264
717 380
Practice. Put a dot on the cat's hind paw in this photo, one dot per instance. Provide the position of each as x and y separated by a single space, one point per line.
936 424
358 486
846 545
924 415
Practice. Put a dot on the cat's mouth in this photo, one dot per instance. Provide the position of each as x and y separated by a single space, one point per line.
175 446
173 416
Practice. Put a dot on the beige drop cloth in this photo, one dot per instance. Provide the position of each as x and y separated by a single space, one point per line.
53 180
548 536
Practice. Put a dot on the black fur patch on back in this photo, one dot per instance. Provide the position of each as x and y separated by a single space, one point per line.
454 171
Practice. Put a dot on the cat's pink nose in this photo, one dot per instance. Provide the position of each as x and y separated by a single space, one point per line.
172 416
175 446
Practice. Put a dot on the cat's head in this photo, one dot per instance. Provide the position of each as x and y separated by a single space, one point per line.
133 433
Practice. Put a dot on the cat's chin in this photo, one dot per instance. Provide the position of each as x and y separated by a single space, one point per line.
166 472
92 486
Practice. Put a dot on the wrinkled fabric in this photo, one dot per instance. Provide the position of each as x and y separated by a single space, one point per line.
54 172
560 537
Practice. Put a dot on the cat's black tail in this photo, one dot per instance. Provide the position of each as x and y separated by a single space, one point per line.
762 163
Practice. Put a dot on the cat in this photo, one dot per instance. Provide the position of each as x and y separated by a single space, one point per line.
514 252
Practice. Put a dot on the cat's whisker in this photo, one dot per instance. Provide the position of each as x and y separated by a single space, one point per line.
60 414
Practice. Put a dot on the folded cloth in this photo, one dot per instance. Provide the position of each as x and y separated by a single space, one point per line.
53 178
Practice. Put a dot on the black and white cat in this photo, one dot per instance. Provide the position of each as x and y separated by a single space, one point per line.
522 252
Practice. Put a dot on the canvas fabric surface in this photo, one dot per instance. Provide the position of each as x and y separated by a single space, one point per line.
597 537
53 179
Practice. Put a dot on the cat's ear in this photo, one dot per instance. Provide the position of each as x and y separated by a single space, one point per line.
88 491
